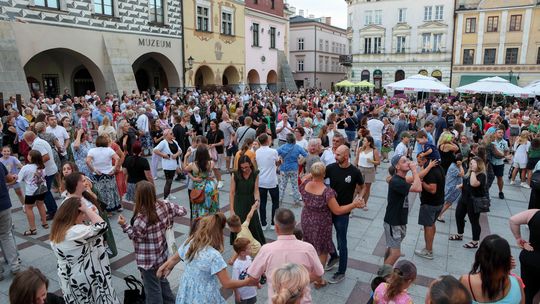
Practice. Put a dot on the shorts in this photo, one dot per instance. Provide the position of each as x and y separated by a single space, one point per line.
32 199
394 235
498 170
15 186
428 214
231 151
531 163
519 165
368 174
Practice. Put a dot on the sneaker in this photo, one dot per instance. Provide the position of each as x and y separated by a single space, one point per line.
512 182
336 278
331 263
525 185
272 227
264 227
424 253
220 184
171 197
501 195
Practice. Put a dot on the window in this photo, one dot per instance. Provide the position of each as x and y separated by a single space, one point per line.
321 62
515 23
437 42
489 56
368 18
349 20
272 37
378 17
300 65
326 64
300 44
470 25
326 45
367 45
226 23
103 7
538 56
203 19
48 3
400 44
402 15
426 43
493 24
156 11
377 45
255 31
511 56
427 13
468 56
320 44
439 12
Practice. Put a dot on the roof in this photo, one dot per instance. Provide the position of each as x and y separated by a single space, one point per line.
300 19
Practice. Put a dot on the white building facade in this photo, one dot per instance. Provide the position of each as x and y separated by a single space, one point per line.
314 51
394 39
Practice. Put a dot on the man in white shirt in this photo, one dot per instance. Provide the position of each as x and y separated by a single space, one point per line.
45 149
283 128
268 181
60 133
375 127
403 147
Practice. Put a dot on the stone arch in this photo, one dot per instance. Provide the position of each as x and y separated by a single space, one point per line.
204 76
55 70
437 74
254 80
423 72
160 72
271 80
230 76
400 75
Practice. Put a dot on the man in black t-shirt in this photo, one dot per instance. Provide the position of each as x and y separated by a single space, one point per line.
431 202
397 209
347 181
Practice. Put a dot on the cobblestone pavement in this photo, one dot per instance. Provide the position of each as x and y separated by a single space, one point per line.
365 243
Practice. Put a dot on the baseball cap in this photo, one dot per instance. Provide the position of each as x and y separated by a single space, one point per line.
406 269
385 270
395 160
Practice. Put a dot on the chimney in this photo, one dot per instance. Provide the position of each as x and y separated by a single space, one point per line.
301 12
311 16
328 20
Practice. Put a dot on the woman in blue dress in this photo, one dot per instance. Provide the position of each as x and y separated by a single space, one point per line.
205 268
452 186
80 148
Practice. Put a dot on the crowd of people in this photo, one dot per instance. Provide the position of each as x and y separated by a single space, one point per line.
97 153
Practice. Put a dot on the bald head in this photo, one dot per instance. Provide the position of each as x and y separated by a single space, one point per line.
342 155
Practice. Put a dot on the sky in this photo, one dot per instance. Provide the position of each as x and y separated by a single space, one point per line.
337 9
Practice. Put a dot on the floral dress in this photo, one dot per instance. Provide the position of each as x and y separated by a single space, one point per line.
83 266
317 219
80 158
211 195
387 138
199 282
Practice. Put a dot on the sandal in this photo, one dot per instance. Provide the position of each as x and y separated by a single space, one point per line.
320 284
45 226
441 220
471 245
30 232
456 237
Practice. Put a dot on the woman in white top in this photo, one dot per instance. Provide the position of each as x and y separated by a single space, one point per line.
367 160
106 128
300 140
100 163
170 151
521 150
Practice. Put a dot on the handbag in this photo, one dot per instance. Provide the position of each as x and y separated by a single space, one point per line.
135 292
481 204
172 248
197 196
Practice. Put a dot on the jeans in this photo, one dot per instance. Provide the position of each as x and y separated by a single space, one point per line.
50 203
341 224
378 144
466 208
351 135
7 242
274 195
157 290
285 177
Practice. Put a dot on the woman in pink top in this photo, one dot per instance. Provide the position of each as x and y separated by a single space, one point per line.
395 291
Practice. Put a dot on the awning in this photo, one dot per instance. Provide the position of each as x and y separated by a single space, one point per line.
467 79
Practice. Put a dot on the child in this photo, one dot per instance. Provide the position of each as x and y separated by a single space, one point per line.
242 249
33 175
12 165
395 291
429 151
242 231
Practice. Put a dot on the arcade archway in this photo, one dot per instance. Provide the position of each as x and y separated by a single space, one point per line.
204 77
154 71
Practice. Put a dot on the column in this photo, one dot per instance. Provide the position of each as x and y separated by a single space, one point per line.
526 27
480 42
502 37
459 34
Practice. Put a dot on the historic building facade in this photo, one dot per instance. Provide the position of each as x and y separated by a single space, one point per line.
390 40
315 47
106 45
214 34
496 37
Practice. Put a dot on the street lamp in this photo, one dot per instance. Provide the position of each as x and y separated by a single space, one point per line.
510 74
190 64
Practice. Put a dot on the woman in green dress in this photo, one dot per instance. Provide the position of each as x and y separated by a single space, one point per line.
200 172
243 194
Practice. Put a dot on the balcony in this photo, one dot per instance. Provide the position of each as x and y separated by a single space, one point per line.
346 60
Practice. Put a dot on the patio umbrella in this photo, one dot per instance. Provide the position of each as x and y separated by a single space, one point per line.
365 84
534 87
495 85
419 83
345 83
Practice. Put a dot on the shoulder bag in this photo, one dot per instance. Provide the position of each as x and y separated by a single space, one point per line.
135 292
481 204
172 248
197 196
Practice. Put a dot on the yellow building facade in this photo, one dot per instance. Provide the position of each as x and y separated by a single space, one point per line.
496 38
214 37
